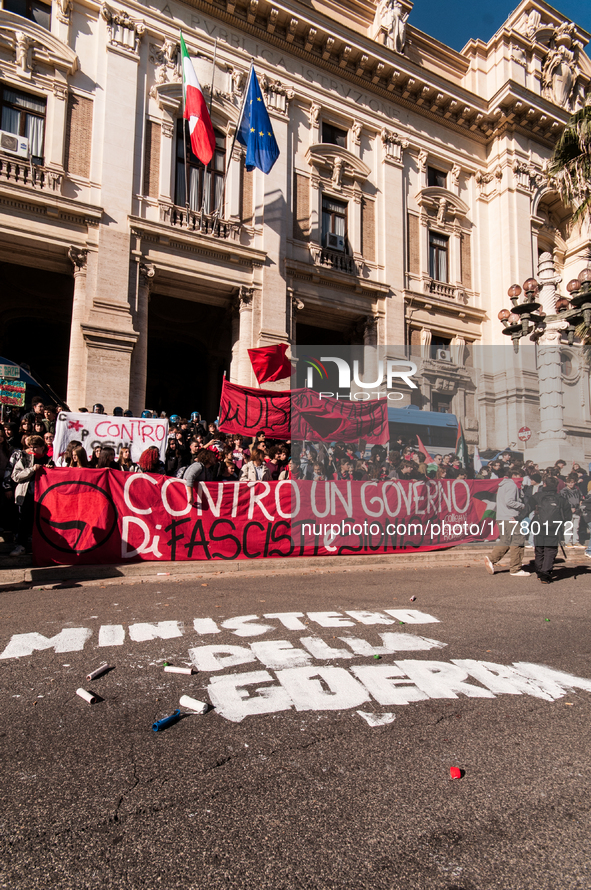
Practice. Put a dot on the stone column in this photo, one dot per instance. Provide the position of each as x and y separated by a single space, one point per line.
369 326
391 224
273 321
244 301
139 357
552 444
77 356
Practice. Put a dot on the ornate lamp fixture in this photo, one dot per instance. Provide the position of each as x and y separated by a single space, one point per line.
528 318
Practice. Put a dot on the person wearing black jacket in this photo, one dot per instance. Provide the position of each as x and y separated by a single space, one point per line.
551 512
586 511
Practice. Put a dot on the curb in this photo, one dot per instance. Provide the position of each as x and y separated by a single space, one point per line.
459 556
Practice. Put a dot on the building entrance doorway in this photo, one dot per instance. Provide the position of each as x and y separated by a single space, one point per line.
189 348
35 321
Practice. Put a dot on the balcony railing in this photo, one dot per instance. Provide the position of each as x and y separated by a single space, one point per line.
202 223
440 289
337 260
20 172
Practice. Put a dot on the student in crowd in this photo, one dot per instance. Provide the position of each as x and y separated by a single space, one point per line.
25 430
78 458
70 448
37 411
124 462
50 418
107 460
203 468
96 453
30 463
228 471
39 428
149 462
572 495
6 494
551 512
48 439
510 509
173 458
255 470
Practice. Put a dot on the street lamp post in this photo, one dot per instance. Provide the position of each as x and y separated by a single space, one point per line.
546 317
529 318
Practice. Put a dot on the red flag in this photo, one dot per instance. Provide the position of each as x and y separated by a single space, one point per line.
200 126
422 447
270 362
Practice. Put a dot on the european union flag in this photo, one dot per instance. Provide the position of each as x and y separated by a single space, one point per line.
254 129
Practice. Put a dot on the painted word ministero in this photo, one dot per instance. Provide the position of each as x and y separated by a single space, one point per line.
290 678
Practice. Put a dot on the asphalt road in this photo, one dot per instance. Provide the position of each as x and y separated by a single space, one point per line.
307 798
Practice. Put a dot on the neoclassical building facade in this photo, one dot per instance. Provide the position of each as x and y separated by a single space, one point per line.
408 195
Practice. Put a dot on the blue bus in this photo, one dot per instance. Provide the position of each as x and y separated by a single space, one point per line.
438 432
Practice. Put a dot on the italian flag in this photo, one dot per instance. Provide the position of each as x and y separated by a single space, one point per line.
200 126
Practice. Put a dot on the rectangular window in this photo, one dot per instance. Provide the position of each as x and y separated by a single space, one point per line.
438 248
436 177
440 350
442 404
24 115
31 9
205 185
334 135
334 223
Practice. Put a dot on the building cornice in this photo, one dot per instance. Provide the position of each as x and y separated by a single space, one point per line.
227 249
378 70
444 308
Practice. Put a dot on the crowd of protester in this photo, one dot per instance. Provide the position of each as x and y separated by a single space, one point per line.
198 452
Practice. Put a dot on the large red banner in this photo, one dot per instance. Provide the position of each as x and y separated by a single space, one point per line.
106 516
301 414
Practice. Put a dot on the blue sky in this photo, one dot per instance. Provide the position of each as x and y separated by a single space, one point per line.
456 21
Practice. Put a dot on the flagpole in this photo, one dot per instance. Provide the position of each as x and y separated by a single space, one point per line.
185 148
215 50
217 210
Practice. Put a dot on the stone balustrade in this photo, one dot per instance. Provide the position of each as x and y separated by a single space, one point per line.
201 223
18 171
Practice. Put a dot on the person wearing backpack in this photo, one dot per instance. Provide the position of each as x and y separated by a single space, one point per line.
551 513
572 495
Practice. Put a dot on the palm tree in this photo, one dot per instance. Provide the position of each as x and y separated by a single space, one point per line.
570 166
570 173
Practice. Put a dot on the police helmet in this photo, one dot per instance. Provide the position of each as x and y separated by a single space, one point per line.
128 413
117 412
195 416
174 418
98 409
146 413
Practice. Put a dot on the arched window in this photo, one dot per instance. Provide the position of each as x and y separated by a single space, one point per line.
205 185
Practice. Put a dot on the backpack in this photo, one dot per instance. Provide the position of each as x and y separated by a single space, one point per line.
550 510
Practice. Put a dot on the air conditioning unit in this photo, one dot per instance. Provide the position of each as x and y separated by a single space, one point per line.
443 355
335 242
14 145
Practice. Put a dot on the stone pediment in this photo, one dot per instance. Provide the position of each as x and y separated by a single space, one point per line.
338 162
169 96
445 202
32 43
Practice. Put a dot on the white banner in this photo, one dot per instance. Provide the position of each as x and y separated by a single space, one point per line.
118 432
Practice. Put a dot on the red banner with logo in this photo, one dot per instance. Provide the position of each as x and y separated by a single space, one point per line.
301 414
107 516
246 410
333 420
